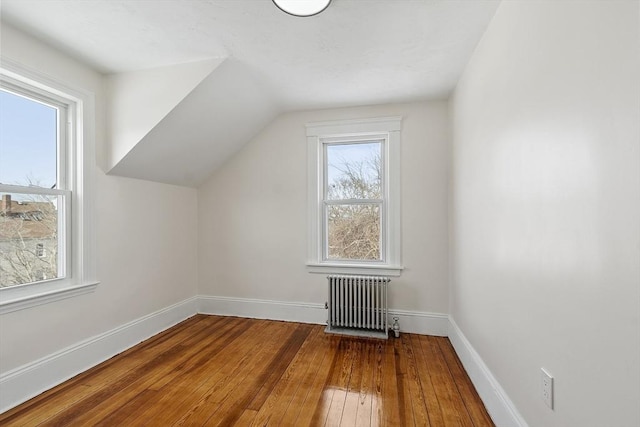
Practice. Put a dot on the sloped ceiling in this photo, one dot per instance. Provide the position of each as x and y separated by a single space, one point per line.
139 100
219 116
357 52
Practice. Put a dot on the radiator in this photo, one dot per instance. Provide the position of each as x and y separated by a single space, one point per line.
358 305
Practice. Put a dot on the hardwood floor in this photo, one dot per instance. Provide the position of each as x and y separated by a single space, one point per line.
211 370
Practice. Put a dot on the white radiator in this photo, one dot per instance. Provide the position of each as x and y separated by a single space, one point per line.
358 305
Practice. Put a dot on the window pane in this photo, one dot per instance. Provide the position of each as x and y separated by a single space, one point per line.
28 238
354 171
28 141
353 232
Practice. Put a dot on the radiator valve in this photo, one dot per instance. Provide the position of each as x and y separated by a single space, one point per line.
396 327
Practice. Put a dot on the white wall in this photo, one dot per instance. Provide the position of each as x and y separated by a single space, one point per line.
546 208
146 239
253 220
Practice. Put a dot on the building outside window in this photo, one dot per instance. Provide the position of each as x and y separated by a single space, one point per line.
40 251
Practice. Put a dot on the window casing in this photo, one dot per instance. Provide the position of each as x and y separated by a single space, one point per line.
68 201
375 208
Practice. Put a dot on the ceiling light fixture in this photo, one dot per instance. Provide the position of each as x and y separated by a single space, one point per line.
302 7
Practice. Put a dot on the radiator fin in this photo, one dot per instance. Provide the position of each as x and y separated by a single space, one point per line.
358 305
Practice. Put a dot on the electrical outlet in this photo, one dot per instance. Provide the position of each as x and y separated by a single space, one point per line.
547 388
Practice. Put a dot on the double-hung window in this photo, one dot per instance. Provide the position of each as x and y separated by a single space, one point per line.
45 158
354 196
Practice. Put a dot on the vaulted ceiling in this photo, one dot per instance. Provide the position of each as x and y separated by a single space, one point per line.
261 62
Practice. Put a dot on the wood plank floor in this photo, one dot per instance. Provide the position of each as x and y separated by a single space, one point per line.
225 371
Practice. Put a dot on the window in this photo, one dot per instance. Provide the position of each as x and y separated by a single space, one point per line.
36 194
45 159
353 202
354 191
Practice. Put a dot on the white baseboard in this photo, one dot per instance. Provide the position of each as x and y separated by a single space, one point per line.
420 322
262 309
27 381
501 409
410 321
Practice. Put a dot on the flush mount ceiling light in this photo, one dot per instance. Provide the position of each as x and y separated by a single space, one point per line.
302 7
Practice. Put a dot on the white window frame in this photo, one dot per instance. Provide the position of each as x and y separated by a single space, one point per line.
77 157
321 134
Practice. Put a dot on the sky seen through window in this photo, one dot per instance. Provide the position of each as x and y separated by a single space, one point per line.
28 141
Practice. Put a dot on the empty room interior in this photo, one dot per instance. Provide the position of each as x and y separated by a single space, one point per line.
332 212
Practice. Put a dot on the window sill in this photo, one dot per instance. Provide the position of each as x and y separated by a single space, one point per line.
376 270
9 303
